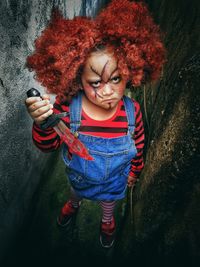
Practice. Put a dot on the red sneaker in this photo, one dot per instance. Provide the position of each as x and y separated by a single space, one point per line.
107 233
66 214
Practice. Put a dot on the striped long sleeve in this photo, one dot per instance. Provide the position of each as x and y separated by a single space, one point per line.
138 162
48 140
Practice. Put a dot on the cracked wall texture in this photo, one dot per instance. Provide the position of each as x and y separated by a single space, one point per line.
21 163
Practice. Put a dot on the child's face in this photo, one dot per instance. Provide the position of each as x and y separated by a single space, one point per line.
101 80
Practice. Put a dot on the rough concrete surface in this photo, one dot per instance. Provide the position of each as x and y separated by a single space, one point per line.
21 163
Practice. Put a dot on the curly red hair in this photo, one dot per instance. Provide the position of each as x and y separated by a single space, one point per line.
63 47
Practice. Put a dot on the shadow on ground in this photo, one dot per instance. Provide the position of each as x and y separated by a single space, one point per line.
44 243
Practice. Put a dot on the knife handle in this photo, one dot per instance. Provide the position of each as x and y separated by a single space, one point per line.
33 92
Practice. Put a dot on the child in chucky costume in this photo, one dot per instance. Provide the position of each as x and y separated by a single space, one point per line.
88 63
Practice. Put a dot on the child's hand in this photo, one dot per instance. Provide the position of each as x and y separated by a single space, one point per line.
39 109
131 181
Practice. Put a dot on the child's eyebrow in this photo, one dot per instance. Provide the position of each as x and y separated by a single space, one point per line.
114 71
103 70
95 71
111 74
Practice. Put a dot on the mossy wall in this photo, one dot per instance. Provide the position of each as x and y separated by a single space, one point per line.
166 207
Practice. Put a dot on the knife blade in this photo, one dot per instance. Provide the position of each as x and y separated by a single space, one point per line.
74 144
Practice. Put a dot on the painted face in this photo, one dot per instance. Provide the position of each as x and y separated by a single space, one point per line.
102 82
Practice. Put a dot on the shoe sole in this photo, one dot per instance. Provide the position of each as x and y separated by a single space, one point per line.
63 225
106 246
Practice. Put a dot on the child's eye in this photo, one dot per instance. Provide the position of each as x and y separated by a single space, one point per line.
96 84
116 79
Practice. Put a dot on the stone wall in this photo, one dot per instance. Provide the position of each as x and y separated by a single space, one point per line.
21 163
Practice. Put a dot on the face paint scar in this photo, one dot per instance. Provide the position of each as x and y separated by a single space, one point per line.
110 74
101 76
95 89
103 70
96 94
95 71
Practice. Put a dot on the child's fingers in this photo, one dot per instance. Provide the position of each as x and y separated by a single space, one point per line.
36 105
131 181
130 184
46 97
30 100
40 111
43 117
39 108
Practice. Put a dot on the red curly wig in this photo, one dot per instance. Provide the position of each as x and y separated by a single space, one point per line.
63 47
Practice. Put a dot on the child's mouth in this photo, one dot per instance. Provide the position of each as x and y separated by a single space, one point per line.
108 100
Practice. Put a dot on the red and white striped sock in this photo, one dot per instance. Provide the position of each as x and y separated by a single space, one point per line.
108 209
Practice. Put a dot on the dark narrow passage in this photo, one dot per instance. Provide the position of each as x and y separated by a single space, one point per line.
43 243
166 207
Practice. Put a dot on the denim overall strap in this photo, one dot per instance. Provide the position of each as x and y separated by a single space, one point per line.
130 110
75 112
105 177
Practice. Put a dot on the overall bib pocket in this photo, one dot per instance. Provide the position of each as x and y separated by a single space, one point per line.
105 166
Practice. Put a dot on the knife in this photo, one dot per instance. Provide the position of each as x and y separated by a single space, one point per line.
54 121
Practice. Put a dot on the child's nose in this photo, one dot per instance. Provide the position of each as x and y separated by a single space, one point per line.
107 90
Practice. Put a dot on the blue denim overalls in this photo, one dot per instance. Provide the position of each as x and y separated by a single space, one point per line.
105 178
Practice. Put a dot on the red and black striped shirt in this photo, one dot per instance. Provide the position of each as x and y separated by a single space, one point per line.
48 140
